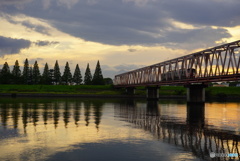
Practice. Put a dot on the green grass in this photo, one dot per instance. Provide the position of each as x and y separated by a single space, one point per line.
228 91
109 90
59 89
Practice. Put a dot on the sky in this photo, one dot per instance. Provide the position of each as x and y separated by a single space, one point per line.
122 34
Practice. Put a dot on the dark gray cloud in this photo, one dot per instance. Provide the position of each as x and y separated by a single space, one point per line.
122 22
45 43
194 38
36 27
132 50
13 2
12 46
32 61
205 12
126 67
29 25
109 71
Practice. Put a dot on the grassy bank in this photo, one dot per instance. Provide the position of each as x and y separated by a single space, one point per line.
59 89
109 90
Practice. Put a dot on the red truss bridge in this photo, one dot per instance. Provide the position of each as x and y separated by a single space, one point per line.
220 63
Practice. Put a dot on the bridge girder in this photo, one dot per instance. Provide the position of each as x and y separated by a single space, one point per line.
216 64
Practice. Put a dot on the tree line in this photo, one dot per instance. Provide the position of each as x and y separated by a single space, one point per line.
32 75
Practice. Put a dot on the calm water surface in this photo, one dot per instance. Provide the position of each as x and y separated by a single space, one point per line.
117 130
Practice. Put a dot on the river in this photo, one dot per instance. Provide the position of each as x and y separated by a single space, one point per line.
77 129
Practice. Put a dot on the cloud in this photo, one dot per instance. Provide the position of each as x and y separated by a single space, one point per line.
36 27
194 38
132 50
111 71
137 22
205 12
32 61
126 67
45 43
12 46
29 25
13 2
68 3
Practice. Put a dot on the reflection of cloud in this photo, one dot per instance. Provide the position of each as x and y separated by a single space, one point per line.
12 46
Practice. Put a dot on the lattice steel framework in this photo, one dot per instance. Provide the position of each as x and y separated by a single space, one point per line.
221 63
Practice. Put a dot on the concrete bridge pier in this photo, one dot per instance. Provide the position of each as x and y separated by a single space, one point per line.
196 93
152 93
130 90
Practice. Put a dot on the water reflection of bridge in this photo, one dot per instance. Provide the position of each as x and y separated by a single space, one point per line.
192 134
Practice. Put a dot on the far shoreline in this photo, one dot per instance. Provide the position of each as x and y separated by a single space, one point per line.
83 95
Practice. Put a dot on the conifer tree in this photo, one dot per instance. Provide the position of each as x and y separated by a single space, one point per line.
88 76
16 73
57 73
25 73
30 80
98 77
35 74
45 75
5 74
77 77
67 76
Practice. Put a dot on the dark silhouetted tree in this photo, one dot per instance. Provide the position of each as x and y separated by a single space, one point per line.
25 74
98 77
5 74
77 77
16 73
46 76
56 73
108 81
88 76
36 74
30 80
67 76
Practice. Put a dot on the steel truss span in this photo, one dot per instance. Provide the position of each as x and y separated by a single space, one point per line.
216 64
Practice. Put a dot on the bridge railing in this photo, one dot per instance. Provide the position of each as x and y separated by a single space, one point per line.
220 63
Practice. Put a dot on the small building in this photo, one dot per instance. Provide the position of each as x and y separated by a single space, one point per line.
221 85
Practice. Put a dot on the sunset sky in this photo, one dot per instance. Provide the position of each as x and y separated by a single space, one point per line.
122 34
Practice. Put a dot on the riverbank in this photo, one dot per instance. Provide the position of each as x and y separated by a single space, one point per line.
108 91
36 95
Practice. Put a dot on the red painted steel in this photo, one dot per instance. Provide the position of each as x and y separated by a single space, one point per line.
216 64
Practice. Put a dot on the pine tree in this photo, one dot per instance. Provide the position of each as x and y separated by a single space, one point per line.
88 76
25 73
5 74
98 77
77 77
45 75
67 76
16 73
30 80
57 73
35 74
